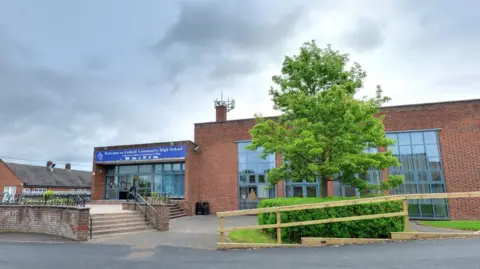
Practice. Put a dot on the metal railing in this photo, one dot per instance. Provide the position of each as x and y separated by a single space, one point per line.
144 207
68 199
90 226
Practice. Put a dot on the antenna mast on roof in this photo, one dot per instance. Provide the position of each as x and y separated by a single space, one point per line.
229 103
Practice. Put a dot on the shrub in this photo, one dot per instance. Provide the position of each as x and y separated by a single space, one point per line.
374 228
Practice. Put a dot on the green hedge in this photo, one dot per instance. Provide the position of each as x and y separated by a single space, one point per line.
374 228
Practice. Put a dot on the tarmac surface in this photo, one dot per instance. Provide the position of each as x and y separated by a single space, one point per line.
439 254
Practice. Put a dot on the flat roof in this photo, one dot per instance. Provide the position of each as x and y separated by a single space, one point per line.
383 107
148 144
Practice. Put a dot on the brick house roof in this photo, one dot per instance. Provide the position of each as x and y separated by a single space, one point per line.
42 176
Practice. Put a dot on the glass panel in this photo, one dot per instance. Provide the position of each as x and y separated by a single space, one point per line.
413 210
243 179
408 176
422 176
438 188
251 179
393 137
434 162
423 188
350 191
130 169
146 168
430 137
263 191
418 149
111 187
252 193
410 188
297 191
311 191
167 167
436 176
110 171
158 167
404 139
288 191
179 189
406 150
417 138
144 183
441 210
158 184
177 167
243 193
432 150
168 185
427 210
261 179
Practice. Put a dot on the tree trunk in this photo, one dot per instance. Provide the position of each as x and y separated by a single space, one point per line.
324 187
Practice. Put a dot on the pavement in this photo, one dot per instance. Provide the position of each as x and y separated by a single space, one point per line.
439 254
198 232
105 208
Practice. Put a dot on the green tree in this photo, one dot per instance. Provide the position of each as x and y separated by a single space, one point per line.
324 129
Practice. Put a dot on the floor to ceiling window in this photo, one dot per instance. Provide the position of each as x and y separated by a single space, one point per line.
164 179
419 155
252 176
373 177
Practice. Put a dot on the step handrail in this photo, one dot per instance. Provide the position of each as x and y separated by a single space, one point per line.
139 199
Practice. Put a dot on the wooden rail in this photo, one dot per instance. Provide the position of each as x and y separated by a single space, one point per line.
280 209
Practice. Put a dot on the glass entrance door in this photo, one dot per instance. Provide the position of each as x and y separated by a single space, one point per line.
125 182
111 188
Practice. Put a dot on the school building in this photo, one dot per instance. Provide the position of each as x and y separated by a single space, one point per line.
438 145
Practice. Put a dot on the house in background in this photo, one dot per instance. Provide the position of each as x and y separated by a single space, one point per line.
24 178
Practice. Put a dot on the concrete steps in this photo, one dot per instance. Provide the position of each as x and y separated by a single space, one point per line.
111 224
176 212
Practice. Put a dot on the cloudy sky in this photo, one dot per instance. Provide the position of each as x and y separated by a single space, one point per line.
79 74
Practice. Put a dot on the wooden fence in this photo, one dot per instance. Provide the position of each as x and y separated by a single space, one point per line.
280 209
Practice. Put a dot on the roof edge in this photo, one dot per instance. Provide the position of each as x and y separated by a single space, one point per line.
147 144
383 107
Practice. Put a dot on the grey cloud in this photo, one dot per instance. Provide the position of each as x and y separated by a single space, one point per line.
366 35
224 39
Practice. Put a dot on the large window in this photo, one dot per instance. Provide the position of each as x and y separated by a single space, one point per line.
373 177
252 176
165 179
302 189
419 156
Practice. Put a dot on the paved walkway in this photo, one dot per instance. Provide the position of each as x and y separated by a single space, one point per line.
192 232
415 226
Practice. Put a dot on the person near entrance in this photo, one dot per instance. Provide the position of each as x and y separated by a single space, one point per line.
133 190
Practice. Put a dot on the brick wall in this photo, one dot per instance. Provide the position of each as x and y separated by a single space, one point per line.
459 144
68 222
459 136
191 180
218 162
8 178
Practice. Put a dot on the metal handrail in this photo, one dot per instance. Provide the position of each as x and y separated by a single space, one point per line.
90 227
145 210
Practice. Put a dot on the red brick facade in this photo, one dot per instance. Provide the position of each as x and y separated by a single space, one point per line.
8 178
212 169
459 135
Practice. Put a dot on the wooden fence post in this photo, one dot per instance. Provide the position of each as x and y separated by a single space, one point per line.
279 230
222 234
407 219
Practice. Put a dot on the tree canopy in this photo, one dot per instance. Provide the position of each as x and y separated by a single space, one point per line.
324 130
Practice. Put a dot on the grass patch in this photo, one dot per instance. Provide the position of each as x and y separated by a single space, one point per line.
250 236
459 225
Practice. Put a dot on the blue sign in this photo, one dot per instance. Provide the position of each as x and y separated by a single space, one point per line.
141 154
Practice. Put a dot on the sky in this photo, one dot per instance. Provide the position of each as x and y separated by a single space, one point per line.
79 74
